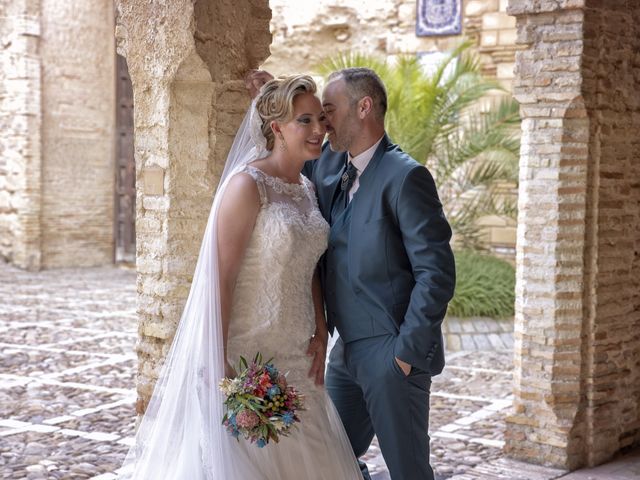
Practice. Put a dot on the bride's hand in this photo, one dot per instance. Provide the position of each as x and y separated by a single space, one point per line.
318 350
229 371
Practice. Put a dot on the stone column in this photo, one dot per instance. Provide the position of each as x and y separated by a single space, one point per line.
576 341
186 60
611 329
77 50
20 137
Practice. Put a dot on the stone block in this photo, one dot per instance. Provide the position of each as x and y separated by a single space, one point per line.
467 342
495 341
453 343
475 8
407 13
152 181
498 21
156 203
493 221
482 342
505 70
162 331
148 265
489 38
522 7
148 225
507 37
452 324
503 236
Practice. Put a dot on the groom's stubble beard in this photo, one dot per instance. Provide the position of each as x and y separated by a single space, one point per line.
342 141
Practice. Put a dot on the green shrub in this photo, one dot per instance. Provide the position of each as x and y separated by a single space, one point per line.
485 286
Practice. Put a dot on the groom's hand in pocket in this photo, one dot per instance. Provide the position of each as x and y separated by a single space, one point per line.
318 350
404 366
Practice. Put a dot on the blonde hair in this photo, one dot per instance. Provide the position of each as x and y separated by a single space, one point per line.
275 101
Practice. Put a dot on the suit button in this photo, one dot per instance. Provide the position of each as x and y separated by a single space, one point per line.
357 290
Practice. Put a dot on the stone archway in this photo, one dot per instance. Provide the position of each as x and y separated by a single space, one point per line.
187 61
577 326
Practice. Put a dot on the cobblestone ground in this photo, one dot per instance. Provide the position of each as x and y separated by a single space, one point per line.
67 374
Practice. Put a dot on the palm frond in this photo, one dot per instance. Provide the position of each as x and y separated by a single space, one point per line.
446 121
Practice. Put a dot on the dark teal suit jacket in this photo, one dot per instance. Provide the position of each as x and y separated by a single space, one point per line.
400 264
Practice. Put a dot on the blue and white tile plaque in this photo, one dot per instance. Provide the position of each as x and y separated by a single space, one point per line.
439 17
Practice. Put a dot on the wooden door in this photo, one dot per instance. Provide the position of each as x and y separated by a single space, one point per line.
125 182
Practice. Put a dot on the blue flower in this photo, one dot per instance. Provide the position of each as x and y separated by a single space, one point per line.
273 391
232 420
261 443
288 418
273 371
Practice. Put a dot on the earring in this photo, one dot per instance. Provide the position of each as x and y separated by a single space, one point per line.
283 144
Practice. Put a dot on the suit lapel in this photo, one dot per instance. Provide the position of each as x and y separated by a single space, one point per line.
331 185
368 181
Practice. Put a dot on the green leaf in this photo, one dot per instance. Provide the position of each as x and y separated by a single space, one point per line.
485 286
458 123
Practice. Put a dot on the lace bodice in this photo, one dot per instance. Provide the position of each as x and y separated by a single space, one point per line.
272 308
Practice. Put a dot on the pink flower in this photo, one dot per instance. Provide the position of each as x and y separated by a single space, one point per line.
247 419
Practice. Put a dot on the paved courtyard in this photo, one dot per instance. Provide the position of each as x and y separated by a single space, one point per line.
67 379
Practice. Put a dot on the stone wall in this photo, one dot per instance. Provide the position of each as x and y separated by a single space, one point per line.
577 351
304 33
611 329
57 120
77 51
186 63
20 137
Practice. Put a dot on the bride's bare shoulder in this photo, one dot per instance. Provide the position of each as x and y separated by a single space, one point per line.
242 189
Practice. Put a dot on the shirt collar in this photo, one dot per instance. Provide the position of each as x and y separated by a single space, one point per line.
362 160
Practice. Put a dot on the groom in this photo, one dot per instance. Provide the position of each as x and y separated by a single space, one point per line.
387 276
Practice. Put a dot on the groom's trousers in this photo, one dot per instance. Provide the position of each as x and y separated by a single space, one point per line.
374 397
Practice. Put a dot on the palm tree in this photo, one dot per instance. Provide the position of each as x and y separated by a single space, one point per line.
447 120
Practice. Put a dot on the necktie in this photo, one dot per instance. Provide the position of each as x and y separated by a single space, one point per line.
342 198
346 181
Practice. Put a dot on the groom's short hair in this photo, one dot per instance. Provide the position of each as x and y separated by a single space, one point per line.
364 82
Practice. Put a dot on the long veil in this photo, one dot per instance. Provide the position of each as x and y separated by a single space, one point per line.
180 435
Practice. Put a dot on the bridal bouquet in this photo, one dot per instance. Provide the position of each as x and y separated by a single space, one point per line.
261 406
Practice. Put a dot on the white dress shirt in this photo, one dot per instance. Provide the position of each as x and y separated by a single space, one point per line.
360 162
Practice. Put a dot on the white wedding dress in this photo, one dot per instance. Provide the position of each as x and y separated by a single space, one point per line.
273 313
180 436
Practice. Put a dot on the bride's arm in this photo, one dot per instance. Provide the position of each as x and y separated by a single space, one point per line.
318 344
237 215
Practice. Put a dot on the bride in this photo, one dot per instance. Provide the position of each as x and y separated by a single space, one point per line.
255 289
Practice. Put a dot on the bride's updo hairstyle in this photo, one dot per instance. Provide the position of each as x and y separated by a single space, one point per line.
275 101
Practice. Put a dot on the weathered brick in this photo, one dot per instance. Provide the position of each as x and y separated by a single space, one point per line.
568 351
